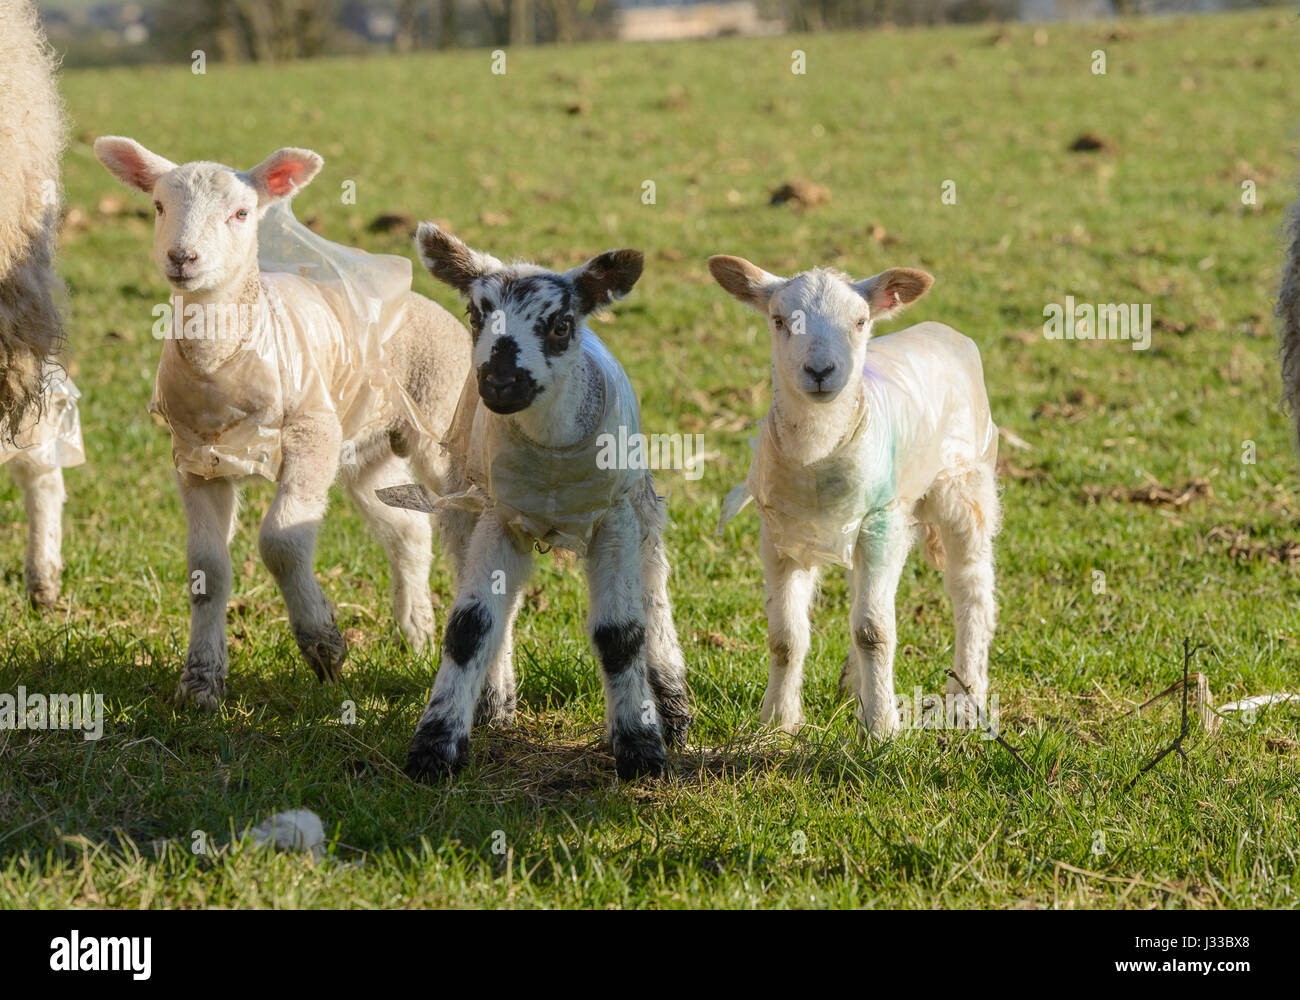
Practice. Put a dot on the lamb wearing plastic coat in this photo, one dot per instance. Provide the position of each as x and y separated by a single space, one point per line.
297 360
545 390
866 441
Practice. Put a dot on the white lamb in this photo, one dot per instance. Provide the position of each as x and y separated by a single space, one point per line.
546 392
39 433
320 362
865 440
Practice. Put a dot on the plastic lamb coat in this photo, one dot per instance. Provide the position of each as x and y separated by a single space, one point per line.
924 413
52 439
317 340
551 496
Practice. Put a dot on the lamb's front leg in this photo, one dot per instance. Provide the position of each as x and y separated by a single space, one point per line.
877 564
287 539
43 496
617 627
790 591
494 572
210 516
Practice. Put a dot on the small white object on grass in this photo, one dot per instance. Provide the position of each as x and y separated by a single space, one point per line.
1258 701
292 830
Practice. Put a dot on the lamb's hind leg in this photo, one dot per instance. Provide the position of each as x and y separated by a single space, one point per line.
665 665
43 496
287 540
407 538
210 518
968 514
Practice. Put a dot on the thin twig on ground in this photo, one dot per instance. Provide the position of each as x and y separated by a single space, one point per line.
1189 652
989 730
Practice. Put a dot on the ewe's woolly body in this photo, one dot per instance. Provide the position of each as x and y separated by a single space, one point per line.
31 142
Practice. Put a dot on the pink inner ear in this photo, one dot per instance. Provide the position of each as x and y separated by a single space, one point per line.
282 178
888 299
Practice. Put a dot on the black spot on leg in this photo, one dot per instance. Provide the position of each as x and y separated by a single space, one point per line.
466 630
869 636
618 645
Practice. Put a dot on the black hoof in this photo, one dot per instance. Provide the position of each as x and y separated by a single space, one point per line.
639 754
434 755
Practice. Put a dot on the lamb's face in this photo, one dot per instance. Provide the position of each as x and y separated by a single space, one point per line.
205 226
206 214
526 335
820 326
820 321
527 321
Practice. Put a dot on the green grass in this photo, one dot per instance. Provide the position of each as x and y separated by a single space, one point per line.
1191 107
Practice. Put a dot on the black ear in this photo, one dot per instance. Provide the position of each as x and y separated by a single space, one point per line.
605 278
450 260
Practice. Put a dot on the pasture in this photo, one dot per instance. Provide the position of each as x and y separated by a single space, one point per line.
549 161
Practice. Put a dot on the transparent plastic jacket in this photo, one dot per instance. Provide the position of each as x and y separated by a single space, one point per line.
52 438
554 496
924 416
315 344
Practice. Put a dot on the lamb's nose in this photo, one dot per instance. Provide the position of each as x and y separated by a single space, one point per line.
819 374
498 381
179 257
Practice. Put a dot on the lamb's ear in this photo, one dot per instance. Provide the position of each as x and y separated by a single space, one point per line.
283 173
450 260
605 278
889 291
747 282
130 162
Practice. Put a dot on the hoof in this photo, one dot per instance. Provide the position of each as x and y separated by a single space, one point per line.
639 754
203 688
324 650
435 754
43 596
494 709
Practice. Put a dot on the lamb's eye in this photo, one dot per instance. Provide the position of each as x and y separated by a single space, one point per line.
242 214
157 207
562 328
778 322
860 324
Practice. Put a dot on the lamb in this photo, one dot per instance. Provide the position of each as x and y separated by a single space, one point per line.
867 441
546 392
320 362
39 431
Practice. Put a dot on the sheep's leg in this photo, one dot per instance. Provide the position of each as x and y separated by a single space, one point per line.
210 518
790 590
497 700
617 625
969 506
287 540
43 496
495 572
877 565
663 652
407 538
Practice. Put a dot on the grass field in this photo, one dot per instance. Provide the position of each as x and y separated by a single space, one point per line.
549 161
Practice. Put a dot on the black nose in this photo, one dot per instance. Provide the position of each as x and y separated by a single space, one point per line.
500 382
179 257
819 374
